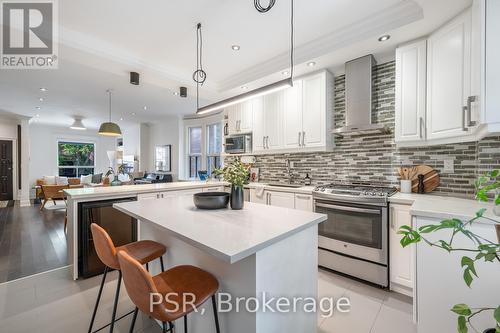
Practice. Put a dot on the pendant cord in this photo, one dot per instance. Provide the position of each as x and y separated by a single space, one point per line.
291 39
199 75
109 95
262 9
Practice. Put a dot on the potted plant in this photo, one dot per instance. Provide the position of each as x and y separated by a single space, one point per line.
237 175
481 250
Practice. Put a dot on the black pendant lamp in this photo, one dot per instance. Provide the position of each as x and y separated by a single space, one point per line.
110 128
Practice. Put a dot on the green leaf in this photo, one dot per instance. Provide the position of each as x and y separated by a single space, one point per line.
497 200
462 309
428 228
468 277
496 314
480 212
462 325
445 245
490 257
494 173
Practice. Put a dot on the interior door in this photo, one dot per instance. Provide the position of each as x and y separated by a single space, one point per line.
6 170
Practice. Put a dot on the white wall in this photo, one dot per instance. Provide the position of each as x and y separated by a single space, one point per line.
44 139
8 131
165 132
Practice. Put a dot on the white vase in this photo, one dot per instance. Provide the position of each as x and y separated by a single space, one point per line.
405 186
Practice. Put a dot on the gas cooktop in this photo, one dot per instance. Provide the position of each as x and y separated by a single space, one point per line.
355 192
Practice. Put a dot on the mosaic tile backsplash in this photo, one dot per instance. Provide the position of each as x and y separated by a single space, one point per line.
374 157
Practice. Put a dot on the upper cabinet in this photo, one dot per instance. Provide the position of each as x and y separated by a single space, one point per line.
449 94
240 117
440 83
292 120
410 92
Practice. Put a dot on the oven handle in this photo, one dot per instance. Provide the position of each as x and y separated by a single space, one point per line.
350 209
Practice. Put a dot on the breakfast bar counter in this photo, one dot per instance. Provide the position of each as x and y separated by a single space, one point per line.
257 251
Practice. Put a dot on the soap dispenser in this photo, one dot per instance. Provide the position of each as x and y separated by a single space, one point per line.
307 180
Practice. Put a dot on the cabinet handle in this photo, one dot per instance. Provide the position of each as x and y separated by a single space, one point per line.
269 196
303 197
470 100
264 142
421 127
300 144
157 196
464 111
267 142
392 219
303 139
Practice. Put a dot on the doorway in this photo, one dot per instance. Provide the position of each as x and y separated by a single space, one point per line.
6 171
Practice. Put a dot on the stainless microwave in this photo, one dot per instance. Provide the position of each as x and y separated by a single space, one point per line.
238 144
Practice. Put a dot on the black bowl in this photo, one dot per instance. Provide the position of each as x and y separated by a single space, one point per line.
211 200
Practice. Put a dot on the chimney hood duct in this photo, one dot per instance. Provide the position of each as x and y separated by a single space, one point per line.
358 98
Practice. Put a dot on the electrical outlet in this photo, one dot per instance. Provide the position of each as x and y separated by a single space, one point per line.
449 166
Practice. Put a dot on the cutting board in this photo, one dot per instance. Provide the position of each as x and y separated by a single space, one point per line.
431 179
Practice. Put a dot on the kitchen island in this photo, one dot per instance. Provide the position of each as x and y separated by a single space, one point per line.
255 251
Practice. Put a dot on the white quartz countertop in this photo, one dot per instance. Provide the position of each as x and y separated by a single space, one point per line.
92 192
230 235
441 207
301 189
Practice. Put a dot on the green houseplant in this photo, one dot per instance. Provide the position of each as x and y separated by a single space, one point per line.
481 249
237 175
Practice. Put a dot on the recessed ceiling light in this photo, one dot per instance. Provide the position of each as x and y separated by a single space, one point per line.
176 93
38 108
384 38
121 119
285 73
311 63
78 125
244 87
41 99
133 113
145 108
43 89
235 47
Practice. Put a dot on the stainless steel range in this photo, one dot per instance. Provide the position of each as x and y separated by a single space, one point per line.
354 239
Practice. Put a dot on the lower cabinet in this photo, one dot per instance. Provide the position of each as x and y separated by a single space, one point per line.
282 199
170 194
402 260
304 202
214 189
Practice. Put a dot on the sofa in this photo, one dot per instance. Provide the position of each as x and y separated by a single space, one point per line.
154 178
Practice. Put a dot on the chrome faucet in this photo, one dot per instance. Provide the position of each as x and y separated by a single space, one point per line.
289 171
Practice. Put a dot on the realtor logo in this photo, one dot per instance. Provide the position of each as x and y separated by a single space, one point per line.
29 34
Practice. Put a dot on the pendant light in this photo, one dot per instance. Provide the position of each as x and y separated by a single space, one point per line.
110 128
265 90
78 125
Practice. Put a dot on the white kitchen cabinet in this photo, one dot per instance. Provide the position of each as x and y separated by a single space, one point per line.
402 261
214 189
240 117
149 196
314 113
258 196
268 122
449 79
411 72
304 202
292 120
280 199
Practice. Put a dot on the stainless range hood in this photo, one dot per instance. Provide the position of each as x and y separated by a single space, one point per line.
358 98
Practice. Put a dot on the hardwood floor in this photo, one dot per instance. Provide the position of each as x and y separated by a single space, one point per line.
31 241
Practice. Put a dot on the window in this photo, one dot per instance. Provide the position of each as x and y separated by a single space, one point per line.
75 158
194 151
162 158
214 147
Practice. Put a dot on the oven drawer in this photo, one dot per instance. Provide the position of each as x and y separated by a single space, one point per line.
378 256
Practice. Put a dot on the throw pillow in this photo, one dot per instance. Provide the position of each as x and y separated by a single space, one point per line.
97 179
61 180
49 180
86 180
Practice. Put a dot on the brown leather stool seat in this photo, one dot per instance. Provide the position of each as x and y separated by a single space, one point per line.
143 252
174 282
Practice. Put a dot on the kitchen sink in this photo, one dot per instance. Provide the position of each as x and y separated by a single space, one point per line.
284 185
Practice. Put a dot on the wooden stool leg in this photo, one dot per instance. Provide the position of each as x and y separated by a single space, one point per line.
44 201
162 266
98 298
216 316
117 295
133 320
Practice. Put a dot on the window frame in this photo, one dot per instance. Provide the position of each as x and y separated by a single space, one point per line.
169 152
208 156
76 141
198 156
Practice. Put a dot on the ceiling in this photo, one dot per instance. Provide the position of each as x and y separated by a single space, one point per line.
102 40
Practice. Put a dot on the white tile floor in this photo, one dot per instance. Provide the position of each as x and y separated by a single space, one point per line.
52 302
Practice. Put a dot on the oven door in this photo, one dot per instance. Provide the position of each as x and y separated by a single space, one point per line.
355 230
235 144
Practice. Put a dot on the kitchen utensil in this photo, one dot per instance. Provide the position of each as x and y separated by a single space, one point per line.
211 200
431 178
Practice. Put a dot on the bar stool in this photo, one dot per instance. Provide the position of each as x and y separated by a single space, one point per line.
175 282
142 251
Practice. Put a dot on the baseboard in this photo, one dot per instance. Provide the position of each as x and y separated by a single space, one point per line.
24 203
